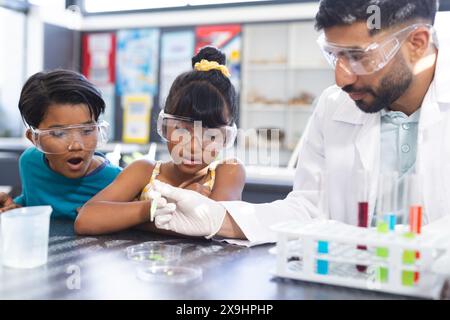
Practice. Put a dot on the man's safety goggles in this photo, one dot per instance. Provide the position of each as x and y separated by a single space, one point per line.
177 129
60 140
371 59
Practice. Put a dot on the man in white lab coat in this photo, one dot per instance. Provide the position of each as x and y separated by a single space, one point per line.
389 111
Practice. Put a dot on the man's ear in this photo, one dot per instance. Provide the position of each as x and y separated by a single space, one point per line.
29 135
419 43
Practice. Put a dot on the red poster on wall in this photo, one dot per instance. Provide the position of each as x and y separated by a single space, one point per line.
217 36
227 38
99 57
98 65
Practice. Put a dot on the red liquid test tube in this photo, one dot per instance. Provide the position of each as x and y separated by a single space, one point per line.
363 222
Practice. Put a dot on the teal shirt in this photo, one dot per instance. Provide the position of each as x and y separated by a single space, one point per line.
43 186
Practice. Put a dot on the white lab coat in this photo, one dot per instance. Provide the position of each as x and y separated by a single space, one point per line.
341 140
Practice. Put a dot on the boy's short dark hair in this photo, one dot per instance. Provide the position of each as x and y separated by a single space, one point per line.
393 12
44 89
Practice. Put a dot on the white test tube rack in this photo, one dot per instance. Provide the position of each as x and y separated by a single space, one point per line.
300 257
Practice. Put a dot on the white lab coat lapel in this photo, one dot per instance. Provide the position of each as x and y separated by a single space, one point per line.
368 142
366 153
433 154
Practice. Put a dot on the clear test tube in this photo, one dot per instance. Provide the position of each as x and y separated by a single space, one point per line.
384 201
393 220
379 201
386 216
405 201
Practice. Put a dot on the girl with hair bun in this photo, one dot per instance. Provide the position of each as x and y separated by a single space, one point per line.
197 123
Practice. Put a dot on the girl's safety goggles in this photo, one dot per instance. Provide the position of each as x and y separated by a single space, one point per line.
371 59
59 140
177 129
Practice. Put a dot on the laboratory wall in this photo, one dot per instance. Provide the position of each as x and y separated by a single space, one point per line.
12 70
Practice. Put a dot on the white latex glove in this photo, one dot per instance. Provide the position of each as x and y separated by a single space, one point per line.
159 205
195 214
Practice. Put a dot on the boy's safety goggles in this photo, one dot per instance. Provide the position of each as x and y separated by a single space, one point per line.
61 140
177 129
371 59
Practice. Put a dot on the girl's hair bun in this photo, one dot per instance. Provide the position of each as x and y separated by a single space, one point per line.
211 54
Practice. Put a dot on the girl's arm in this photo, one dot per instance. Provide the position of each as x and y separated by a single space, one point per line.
113 208
229 183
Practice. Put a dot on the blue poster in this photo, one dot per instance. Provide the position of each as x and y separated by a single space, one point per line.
177 49
137 61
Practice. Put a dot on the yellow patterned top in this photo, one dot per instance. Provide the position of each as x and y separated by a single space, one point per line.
210 172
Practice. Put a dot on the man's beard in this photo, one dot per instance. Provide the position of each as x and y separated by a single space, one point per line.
391 88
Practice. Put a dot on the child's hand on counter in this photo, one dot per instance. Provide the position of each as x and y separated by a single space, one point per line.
7 203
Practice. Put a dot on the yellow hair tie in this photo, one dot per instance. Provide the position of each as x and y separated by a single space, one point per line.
205 65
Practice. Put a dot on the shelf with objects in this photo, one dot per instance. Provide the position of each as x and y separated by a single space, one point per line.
283 74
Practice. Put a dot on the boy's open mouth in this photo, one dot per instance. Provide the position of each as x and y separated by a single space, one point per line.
75 163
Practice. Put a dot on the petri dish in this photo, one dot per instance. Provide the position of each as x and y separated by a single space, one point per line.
169 274
154 253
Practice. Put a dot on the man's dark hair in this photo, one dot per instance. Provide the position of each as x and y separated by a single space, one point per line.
44 89
393 12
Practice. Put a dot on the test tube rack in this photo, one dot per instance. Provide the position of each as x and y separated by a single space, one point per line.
329 252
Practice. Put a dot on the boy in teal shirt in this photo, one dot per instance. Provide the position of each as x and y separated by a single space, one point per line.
61 109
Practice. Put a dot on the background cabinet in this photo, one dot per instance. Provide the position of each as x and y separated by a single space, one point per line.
283 74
